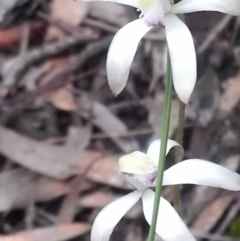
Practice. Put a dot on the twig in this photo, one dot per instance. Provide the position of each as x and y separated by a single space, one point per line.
14 66
214 237
100 25
68 28
61 76
231 214
214 33
112 29
69 205
55 83
55 140
29 216
44 218
129 133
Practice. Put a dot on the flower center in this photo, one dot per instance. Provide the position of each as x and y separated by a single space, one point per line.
146 5
139 170
153 11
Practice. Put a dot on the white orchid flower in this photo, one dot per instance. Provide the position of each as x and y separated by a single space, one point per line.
179 39
140 170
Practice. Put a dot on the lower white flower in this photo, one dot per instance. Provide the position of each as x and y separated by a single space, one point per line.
179 39
140 171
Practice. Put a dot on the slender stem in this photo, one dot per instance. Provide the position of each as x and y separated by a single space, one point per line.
162 156
179 139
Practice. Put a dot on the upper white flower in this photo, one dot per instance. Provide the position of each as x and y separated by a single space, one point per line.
140 171
179 39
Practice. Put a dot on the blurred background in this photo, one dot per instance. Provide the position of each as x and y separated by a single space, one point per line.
62 130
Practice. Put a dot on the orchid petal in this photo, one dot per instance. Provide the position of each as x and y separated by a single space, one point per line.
121 53
133 3
200 172
109 216
231 7
170 226
182 55
154 149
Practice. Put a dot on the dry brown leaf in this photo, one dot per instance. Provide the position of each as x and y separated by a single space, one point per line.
63 99
67 11
57 162
201 196
12 36
115 14
55 233
207 219
100 199
230 97
155 109
19 188
106 171
205 99
104 119
97 199
79 136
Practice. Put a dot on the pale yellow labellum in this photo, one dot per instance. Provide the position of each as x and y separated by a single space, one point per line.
136 163
146 5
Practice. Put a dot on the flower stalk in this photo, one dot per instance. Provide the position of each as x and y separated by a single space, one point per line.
162 156
179 139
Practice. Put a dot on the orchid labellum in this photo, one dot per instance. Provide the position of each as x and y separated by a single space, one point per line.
179 40
140 170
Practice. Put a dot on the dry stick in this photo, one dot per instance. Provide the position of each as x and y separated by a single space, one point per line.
68 208
129 133
12 67
112 29
58 81
213 237
61 77
68 28
214 33
229 217
100 25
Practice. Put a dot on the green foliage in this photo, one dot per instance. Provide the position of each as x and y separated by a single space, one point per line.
234 228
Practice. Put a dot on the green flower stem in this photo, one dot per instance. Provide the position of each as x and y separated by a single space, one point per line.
162 156
179 139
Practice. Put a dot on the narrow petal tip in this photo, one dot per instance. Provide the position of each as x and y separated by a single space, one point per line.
154 149
115 92
121 53
201 172
184 96
182 56
110 215
170 227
